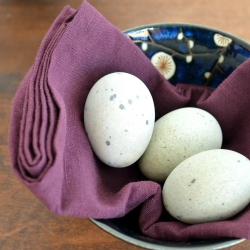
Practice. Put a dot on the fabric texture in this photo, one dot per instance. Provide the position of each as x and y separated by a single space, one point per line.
50 151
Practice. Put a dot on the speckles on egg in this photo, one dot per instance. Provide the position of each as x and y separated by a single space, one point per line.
192 182
177 136
116 110
208 186
121 106
112 97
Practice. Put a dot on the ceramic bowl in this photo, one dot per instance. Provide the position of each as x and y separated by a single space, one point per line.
191 54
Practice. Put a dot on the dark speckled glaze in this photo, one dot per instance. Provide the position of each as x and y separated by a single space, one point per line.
201 56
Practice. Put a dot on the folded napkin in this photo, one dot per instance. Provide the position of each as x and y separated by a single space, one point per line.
49 149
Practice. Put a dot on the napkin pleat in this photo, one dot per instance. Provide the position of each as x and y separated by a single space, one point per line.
40 115
49 148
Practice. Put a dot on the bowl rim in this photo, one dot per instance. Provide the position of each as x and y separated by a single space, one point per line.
191 25
107 225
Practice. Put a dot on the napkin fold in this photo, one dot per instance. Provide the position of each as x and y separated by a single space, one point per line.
49 149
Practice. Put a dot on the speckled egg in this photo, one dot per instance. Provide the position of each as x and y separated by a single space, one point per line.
119 118
210 186
177 136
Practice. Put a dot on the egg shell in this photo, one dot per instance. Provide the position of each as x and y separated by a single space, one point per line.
210 186
177 136
119 118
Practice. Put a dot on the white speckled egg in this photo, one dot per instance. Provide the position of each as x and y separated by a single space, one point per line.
119 118
177 136
210 186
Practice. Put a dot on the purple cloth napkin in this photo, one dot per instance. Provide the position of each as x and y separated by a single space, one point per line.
49 149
